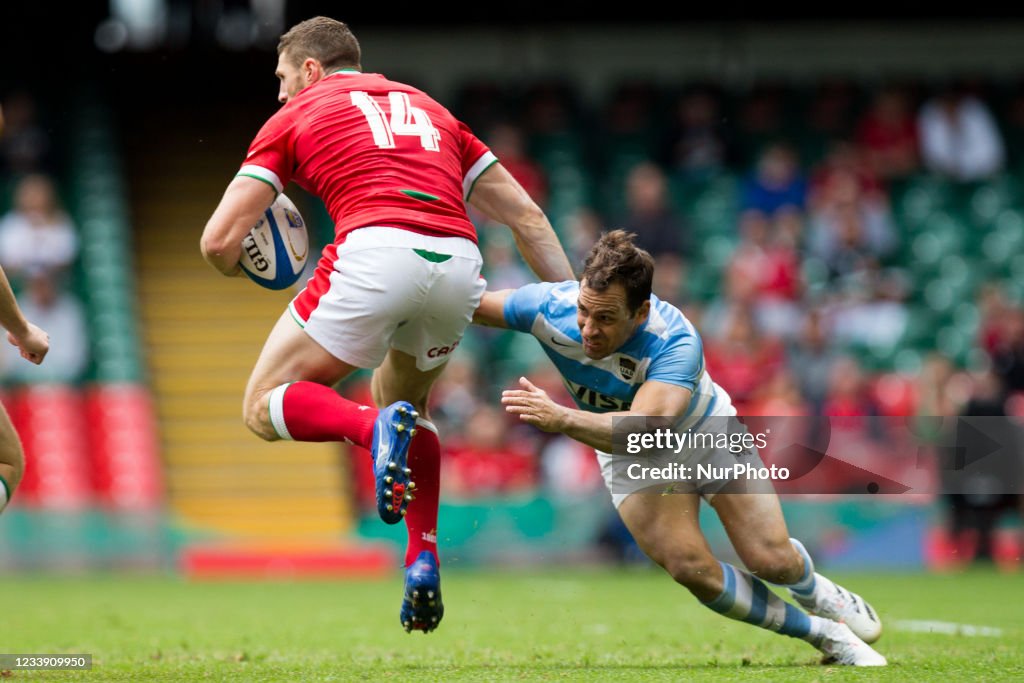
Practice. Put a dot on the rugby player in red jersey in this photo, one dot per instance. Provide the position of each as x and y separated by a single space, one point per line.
396 289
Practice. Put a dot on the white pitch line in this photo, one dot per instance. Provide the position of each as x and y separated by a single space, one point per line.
949 628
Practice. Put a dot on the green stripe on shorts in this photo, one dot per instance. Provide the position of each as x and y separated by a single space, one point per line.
433 256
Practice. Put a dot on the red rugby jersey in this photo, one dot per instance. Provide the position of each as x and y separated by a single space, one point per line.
377 152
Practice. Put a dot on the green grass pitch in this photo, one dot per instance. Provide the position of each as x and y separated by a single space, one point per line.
565 625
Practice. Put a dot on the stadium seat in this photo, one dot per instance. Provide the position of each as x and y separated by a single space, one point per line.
123 447
712 208
918 198
50 422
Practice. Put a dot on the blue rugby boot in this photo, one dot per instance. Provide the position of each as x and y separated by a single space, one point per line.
422 608
392 432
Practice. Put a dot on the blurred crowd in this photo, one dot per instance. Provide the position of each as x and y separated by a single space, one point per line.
39 246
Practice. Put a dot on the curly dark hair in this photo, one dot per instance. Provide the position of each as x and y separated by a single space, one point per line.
614 258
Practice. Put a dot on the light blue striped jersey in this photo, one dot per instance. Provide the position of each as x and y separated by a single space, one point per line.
666 348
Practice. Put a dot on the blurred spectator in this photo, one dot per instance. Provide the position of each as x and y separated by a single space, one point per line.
25 146
553 125
850 405
887 132
503 267
742 359
895 393
871 311
843 160
959 135
698 145
829 116
1007 352
507 141
851 234
569 468
811 357
780 397
759 120
457 394
850 215
777 182
995 317
626 138
766 257
37 233
629 122
659 228
60 313
482 461
584 229
935 397
980 497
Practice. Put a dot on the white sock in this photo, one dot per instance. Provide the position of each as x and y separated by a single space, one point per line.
806 585
276 410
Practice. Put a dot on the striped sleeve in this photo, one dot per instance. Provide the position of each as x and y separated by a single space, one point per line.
681 363
476 158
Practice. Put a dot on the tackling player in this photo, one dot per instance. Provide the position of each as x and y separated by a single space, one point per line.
624 353
33 343
396 289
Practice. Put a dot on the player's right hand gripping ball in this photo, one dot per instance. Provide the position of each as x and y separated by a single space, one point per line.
275 250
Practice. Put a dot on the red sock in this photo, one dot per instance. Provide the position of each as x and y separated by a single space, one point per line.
314 412
421 521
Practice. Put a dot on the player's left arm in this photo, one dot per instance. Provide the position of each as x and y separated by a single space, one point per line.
244 201
491 311
534 406
500 197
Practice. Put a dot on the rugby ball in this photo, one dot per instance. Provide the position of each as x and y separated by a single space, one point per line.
274 252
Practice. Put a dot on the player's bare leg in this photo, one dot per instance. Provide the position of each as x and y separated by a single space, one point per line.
667 528
757 530
289 355
396 379
291 396
12 459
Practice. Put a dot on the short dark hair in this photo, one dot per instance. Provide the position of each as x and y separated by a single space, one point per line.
326 40
616 259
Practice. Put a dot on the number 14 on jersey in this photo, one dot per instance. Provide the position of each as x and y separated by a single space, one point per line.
405 120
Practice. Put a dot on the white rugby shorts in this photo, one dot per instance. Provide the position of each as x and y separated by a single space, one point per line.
384 288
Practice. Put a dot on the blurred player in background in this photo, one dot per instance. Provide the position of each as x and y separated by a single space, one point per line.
623 352
33 343
396 289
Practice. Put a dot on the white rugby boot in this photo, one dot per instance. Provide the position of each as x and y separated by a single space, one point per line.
834 602
841 646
